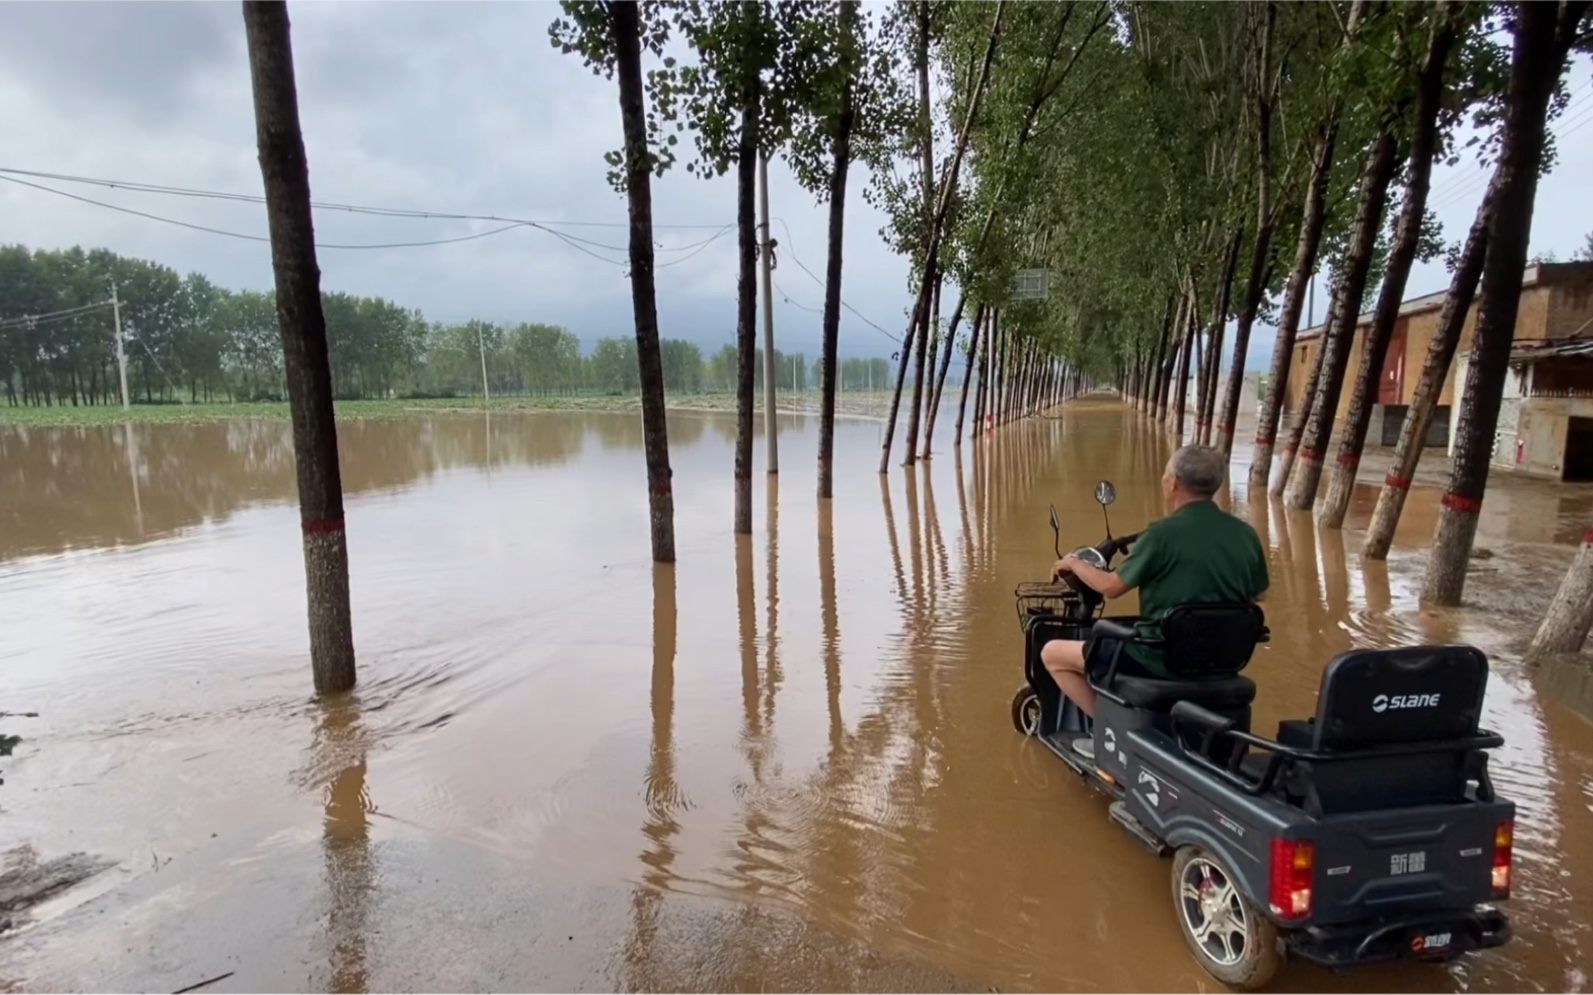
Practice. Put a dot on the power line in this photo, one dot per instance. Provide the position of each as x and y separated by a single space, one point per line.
1453 183
393 212
1474 184
573 241
581 248
166 376
1574 126
263 238
790 251
1460 195
40 323
576 242
700 246
48 316
795 304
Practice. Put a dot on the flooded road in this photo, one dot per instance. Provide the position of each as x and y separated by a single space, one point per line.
784 763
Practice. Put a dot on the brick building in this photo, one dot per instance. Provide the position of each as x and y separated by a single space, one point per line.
1546 424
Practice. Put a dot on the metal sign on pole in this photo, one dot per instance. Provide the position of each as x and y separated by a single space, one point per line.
1031 285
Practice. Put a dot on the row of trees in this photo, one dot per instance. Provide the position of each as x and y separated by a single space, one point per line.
1173 169
824 85
1181 171
1229 152
188 339
1344 109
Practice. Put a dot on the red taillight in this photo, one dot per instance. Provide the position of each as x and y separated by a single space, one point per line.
1503 836
1289 891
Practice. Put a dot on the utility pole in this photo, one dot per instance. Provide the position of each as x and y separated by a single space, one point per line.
770 430
481 347
121 352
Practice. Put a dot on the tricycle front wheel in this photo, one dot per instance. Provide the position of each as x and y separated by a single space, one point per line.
1231 940
1026 711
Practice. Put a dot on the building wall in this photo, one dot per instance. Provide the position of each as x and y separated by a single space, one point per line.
1570 311
1299 369
1305 359
1419 339
1512 428
1542 426
1542 312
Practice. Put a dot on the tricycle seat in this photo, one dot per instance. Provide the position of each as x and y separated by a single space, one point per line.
1394 729
1204 646
1161 694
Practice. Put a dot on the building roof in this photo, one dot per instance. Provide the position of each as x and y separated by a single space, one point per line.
1532 276
1532 352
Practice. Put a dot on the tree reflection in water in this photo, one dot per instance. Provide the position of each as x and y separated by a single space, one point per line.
340 751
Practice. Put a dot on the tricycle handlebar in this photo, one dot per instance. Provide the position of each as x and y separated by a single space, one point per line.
1109 548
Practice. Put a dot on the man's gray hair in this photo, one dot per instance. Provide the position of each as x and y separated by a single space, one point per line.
1200 469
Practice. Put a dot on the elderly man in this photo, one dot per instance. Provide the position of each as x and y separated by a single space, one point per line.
1197 554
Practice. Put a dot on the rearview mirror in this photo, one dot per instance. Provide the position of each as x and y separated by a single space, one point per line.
1105 493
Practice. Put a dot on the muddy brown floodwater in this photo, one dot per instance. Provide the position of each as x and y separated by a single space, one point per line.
785 763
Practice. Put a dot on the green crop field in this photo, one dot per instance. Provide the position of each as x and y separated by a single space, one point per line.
67 416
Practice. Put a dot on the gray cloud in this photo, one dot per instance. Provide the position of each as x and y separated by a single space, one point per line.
458 107
463 107
139 59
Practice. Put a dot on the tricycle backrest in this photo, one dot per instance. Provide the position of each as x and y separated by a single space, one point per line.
1210 640
1414 694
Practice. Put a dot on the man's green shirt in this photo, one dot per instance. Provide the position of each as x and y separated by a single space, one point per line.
1197 555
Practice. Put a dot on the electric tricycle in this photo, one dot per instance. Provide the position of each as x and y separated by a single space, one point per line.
1370 832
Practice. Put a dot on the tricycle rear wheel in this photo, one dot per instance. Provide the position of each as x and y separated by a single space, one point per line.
1231 940
1026 711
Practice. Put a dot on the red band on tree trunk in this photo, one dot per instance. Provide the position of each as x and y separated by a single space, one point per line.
1289 448
660 490
1396 481
1310 455
1225 431
321 525
1587 536
1349 459
1263 440
1459 502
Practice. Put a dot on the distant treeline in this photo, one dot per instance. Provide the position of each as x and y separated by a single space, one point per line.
187 339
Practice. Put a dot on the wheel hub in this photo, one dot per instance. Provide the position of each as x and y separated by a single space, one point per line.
1212 912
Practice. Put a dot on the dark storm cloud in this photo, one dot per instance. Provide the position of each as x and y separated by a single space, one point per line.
459 107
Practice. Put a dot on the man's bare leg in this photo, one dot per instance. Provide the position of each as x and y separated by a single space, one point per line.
1064 660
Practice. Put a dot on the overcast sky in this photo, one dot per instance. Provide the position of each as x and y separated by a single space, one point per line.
465 108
